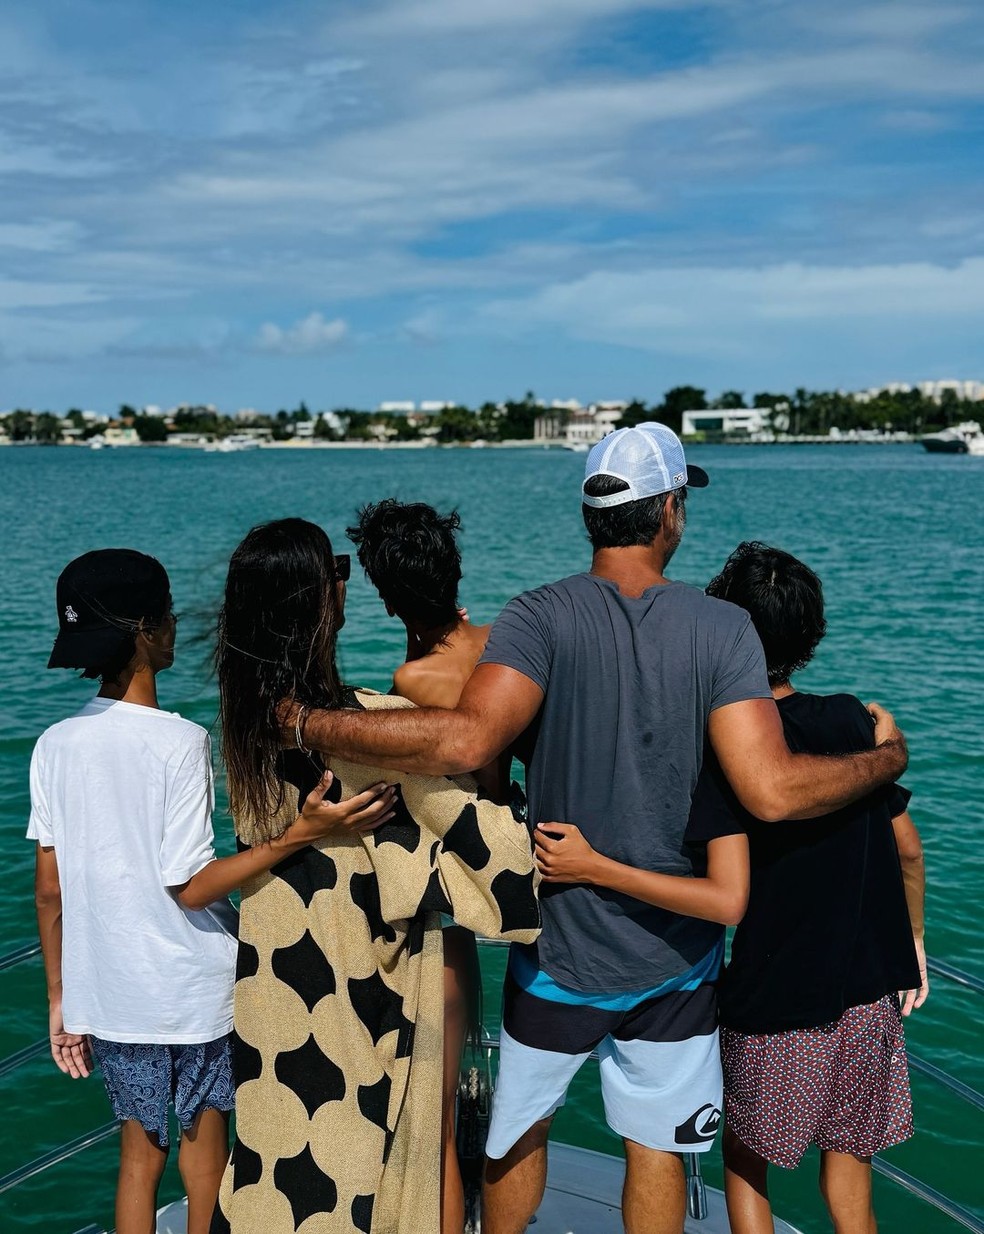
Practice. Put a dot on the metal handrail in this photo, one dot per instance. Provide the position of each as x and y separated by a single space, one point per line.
940 968
962 1090
929 1195
20 1057
57 1155
19 954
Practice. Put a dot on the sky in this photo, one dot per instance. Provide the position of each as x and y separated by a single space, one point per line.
252 203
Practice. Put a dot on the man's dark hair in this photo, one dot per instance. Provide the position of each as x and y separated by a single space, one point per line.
411 555
784 599
632 524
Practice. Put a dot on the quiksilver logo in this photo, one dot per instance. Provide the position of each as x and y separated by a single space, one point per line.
700 1127
70 614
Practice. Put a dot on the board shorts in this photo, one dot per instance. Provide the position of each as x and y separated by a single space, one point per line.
843 1086
142 1081
659 1063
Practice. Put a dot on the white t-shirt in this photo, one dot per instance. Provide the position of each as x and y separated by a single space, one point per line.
124 795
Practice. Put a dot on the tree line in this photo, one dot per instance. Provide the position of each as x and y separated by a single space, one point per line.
803 412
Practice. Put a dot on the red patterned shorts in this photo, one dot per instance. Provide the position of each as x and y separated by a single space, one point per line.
843 1086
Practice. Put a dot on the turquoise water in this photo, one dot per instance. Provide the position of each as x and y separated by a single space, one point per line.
897 536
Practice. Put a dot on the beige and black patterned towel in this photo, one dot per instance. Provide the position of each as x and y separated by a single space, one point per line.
339 1007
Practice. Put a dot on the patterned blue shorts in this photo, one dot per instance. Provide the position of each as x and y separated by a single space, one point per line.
143 1080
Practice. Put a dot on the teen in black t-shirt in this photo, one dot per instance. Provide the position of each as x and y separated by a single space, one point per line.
812 1040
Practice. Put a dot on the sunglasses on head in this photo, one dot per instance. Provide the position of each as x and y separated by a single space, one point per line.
343 566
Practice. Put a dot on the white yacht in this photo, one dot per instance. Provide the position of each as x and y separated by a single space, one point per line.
233 444
965 438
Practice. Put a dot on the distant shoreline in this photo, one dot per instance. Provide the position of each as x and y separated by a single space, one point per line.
553 446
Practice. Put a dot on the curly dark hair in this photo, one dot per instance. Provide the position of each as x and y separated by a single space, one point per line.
410 554
277 633
784 599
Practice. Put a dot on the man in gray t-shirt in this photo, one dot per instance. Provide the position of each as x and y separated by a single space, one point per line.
628 683
625 670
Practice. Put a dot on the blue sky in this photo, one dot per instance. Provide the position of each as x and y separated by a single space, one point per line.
253 203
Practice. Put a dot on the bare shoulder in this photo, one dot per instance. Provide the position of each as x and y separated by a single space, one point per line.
428 682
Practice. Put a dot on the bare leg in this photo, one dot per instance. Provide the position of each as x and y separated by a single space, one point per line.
202 1156
746 1188
845 1184
515 1184
458 945
142 1162
654 1197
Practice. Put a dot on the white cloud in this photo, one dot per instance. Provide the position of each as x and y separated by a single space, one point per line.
41 237
725 311
26 294
312 333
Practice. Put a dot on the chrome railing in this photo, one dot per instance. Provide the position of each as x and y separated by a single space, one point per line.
940 968
936 1199
19 954
696 1190
57 1155
20 1057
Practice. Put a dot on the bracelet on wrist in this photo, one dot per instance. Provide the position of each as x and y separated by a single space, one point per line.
299 730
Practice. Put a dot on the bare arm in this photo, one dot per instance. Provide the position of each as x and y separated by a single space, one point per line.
563 855
914 878
774 784
496 705
318 818
69 1050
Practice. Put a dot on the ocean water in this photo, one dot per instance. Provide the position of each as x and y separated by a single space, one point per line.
896 535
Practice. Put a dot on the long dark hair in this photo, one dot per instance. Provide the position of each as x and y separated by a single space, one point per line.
277 631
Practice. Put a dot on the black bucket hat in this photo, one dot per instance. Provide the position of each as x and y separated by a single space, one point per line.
103 597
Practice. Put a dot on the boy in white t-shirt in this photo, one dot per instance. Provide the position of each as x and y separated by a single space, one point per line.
139 969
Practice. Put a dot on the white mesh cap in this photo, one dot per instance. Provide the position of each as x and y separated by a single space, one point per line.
649 458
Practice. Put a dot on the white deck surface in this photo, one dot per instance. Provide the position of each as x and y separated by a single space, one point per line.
583 1190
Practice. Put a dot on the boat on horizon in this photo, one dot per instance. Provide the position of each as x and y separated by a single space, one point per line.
965 438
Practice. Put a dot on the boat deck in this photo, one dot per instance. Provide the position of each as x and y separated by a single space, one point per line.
583 1190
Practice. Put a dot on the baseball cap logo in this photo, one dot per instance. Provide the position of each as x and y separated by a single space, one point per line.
71 614
680 477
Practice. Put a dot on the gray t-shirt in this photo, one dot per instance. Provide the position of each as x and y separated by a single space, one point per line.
628 687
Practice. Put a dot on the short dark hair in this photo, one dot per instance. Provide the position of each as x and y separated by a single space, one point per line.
634 523
784 599
411 556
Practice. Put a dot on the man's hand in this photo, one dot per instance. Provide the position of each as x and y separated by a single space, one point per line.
71 1052
360 814
886 729
563 855
911 999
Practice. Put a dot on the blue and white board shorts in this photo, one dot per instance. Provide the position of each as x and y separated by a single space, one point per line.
142 1081
659 1059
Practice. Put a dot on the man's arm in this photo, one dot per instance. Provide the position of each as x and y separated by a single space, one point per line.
69 1050
774 784
496 706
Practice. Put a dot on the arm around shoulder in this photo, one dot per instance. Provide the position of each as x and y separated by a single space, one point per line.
774 784
497 704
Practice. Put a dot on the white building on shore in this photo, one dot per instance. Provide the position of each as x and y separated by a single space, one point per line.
569 424
740 421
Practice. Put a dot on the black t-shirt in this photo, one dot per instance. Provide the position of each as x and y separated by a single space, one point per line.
827 926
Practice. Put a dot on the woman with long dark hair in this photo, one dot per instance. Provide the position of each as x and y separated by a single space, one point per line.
338 1002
